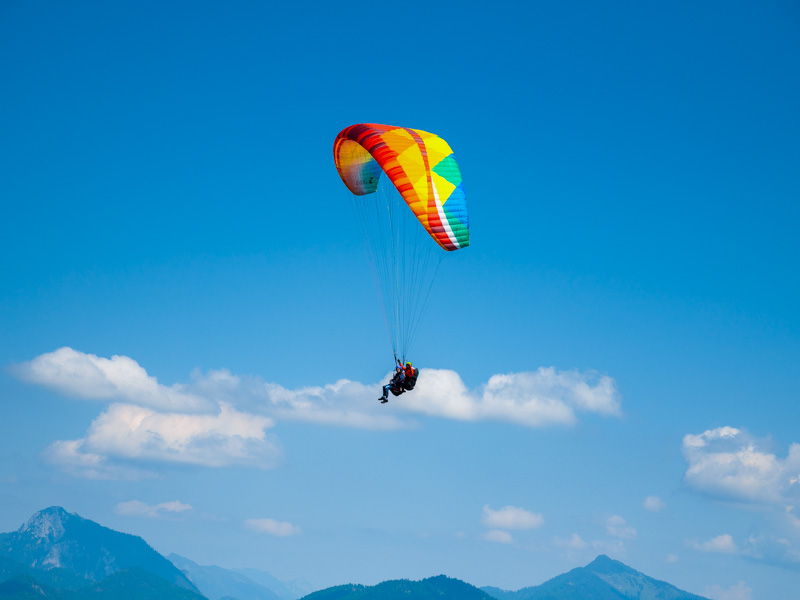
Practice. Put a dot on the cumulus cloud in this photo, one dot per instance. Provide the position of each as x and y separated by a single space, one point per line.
341 404
573 542
540 398
764 547
728 462
654 504
272 527
773 549
130 432
499 536
137 508
613 548
75 458
791 517
511 517
537 399
219 418
722 544
617 527
740 591
91 377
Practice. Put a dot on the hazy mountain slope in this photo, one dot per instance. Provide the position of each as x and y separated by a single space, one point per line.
498 593
59 578
602 579
53 539
136 584
24 587
288 590
128 584
216 583
433 588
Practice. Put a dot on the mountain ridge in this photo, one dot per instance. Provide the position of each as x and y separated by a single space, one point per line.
439 587
602 579
57 555
217 582
56 539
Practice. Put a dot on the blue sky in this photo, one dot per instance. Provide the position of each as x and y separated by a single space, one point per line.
192 347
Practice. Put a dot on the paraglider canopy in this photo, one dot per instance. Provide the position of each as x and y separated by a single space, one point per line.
408 197
420 165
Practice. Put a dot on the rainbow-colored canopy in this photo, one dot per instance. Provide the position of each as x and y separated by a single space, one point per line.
420 165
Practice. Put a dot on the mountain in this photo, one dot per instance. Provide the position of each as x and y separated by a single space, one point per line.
65 550
135 584
56 578
433 588
216 583
288 590
58 555
25 587
128 584
602 579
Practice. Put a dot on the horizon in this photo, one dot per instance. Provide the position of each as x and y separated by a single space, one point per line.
25 525
191 343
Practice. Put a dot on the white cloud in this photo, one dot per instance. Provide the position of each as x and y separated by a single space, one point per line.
73 457
126 431
702 440
91 377
740 591
573 542
722 544
769 548
792 518
219 419
273 527
672 558
617 527
764 547
499 536
138 508
729 463
654 504
537 399
511 517
613 548
545 397
341 404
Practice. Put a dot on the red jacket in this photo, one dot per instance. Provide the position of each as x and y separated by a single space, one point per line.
408 371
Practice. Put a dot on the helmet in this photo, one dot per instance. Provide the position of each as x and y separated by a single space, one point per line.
408 364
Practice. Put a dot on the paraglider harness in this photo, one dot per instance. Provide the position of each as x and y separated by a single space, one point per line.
411 379
406 383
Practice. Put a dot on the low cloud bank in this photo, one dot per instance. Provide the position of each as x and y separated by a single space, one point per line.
511 517
272 527
137 508
219 419
89 377
730 464
126 433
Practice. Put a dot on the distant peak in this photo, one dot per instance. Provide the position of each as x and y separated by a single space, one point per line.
48 523
54 510
604 564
